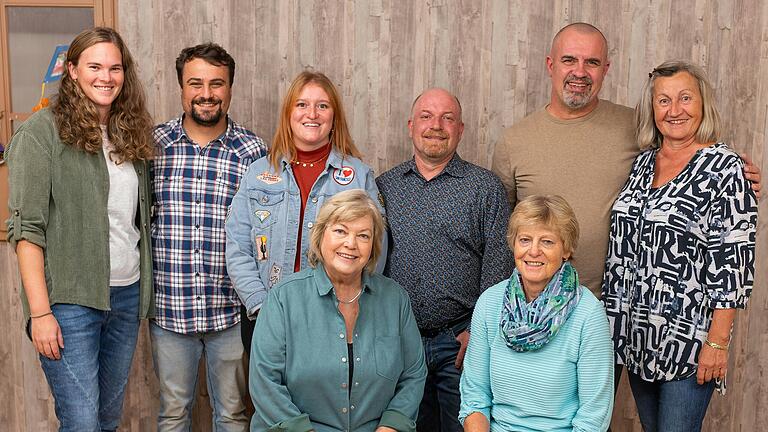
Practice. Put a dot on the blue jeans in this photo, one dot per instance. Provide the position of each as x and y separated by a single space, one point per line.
439 409
176 357
88 382
671 406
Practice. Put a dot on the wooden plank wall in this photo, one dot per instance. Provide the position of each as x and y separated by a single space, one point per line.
382 53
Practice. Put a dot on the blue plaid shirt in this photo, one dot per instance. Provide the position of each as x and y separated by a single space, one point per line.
193 187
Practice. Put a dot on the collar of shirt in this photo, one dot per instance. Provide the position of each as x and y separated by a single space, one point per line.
324 285
177 134
456 167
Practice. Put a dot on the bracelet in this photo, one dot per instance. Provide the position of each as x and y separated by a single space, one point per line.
42 315
716 346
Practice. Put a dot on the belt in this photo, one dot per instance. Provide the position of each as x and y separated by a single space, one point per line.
456 326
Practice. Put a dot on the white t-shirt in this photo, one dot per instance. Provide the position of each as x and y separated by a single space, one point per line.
121 207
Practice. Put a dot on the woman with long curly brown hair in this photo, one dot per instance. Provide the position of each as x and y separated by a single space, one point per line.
79 200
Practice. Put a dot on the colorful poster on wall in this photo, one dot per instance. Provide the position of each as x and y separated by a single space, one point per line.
56 68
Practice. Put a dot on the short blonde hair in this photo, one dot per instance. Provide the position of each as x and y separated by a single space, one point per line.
552 211
646 132
345 207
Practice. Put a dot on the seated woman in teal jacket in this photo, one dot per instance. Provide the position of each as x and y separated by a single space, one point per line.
336 346
540 356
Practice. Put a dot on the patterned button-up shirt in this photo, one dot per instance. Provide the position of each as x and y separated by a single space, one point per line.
448 237
676 253
193 187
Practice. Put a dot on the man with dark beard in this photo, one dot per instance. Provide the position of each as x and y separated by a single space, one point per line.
201 157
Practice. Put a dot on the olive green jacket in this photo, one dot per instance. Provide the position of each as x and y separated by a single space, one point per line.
58 201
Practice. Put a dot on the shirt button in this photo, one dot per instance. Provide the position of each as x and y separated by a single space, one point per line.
343 359
357 384
344 410
341 335
314 199
264 200
199 298
197 226
352 407
197 250
197 274
357 359
343 385
310 225
197 201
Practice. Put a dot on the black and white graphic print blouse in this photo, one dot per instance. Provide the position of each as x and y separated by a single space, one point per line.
676 253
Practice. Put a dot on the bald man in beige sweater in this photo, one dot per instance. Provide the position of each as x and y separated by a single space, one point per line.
578 146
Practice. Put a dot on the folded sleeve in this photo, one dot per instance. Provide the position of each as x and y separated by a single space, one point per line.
30 188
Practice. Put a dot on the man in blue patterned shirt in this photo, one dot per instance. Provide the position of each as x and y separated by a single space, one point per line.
201 157
448 219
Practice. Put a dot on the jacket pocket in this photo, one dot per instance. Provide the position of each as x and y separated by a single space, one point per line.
265 208
388 355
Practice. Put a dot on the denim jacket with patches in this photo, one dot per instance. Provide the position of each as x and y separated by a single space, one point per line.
264 217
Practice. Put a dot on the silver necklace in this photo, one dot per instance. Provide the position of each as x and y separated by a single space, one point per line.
350 301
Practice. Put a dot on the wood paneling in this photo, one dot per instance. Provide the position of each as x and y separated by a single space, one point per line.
381 54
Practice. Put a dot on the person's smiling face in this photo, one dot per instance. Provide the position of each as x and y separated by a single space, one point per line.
539 253
346 248
205 92
677 107
311 118
99 74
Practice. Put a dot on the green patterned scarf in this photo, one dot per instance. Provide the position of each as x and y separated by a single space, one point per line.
529 326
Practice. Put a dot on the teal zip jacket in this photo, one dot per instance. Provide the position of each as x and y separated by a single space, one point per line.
299 371
58 201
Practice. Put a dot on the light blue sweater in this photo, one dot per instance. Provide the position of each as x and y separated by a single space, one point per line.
565 386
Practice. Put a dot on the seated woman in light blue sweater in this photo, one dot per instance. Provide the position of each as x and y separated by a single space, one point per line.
540 356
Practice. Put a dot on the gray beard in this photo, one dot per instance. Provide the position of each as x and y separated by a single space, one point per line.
575 102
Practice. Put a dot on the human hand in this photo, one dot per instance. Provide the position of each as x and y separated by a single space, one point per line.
713 364
47 337
752 173
463 339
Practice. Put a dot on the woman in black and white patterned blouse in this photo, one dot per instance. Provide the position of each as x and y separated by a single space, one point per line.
681 252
